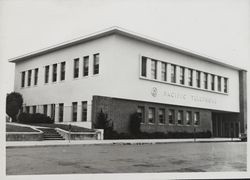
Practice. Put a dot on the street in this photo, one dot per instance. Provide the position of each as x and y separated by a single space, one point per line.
172 157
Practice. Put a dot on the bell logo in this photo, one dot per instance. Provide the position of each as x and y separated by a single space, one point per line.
154 92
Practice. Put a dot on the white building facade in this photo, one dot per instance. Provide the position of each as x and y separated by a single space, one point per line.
120 72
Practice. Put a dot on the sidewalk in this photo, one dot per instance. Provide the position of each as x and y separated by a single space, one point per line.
12 144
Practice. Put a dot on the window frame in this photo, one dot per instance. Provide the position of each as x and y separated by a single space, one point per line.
74 112
153 115
84 111
141 114
54 72
161 116
76 68
144 66
62 71
46 74
85 66
96 63
153 69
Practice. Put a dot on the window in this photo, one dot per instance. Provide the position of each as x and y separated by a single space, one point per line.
96 64
225 85
61 112
144 66
205 80
46 78
164 71
180 117
45 109
153 69
196 118
182 75
74 111
190 77
54 76
141 112
76 68
36 76
188 117
219 83
151 115
86 66
27 109
34 109
84 111
198 79
161 114
173 73
29 77
171 116
62 77
52 112
23 79
212 82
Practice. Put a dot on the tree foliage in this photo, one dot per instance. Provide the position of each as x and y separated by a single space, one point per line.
14 103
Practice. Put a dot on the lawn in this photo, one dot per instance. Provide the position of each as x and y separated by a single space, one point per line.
14 128
65 127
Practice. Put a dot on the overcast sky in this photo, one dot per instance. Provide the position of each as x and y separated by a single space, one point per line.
217 28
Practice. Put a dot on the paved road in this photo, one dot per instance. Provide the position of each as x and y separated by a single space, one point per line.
177 157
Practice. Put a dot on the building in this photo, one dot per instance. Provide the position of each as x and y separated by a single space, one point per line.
120 73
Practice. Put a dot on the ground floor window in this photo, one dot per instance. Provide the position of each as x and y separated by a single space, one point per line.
161 114
61 112
84 110
141 112
34 109
196 118
151 115
45 109
27 109
171 116
74 111
180 117
188 117
52 112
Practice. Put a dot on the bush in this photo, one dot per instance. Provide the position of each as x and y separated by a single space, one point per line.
135 123
14 103
34 118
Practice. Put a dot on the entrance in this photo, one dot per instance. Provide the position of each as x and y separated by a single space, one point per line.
225 125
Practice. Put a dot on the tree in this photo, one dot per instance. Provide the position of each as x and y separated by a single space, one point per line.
14 102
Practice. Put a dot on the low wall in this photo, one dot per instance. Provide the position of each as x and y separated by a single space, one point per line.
24 136
97 135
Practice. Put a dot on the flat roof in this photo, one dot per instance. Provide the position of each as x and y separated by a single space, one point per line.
121 31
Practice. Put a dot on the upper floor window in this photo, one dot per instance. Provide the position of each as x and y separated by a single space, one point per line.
164 71
36 76
205 80
151 115
196 118
62 77
212 82
188 117
54 76
84 110
171 116
86 66
182 75
76 68
161 114
141 112
23 79
190 77
198 79
46 78
144 66
225 85
96 64
219 83
153 69
180 117
74 111
29 77
173 73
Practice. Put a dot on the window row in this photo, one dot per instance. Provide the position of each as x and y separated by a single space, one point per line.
50 110
27 81
168 116
184 76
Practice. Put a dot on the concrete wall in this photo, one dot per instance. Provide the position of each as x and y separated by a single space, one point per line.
119 111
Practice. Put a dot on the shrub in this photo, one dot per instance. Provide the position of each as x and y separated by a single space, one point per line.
14 103
35 118
135 123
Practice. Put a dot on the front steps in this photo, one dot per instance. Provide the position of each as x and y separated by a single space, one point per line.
51 134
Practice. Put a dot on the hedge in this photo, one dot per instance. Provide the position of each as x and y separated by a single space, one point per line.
34 118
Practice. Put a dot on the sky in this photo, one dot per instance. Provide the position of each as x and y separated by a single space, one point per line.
216 28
